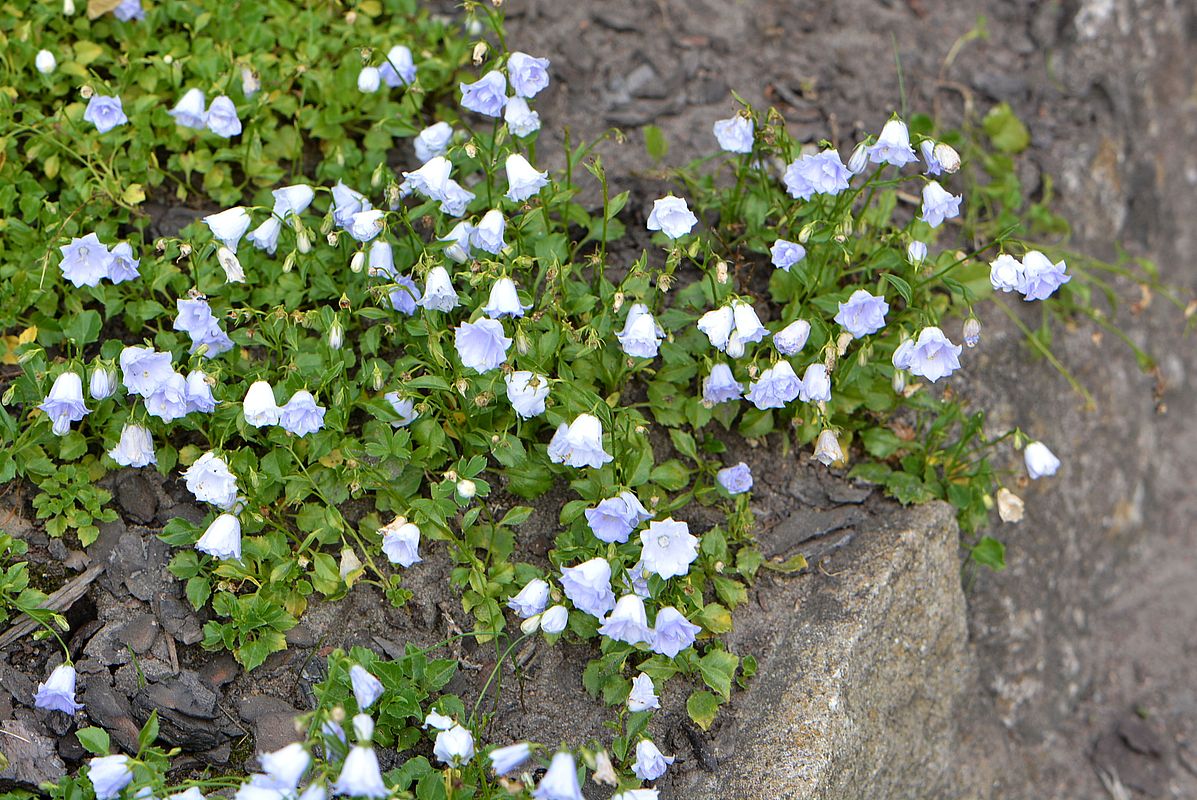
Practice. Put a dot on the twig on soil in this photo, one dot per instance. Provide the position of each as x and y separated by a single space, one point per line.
59 602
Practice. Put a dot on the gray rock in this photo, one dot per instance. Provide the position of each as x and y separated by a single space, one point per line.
32 759
137 497
272 731
139 633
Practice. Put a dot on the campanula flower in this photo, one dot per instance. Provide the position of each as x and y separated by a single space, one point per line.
650 763
721 386
1006 273
433 141
579 444
123 266
1040 277
45 62
229 226
816 385
972 332
168 401
504 760
365 225
939 204
199 393
259 406
222 118
366 688
144 369
360 775
293 199
437 721
382 260
864 313
672 632
668 548
527 391
250 83
636 579
859 160
786 254
932 355
210 481
363 727
718 325
454 747
135 448
531 600
628 621
916 252
368 80
430 179
284 768
943 156
104 112
405 296
816 173
521 120
57 693
189 111
301 416
1041 462
64 404
457 199
523 179
129 9
481 345
401 542
488 233
560 782
265 236
346 203
194 316
504 300
927 148
109 775
555 619
439 294
399 69
672 217
404 407
588 587
222 539
233 272
643 696
487 95
734 134
792 338
827 448
614 519
893 145
102 383
85 261
641 335
529 75
775 387
748 328
736 480
458 247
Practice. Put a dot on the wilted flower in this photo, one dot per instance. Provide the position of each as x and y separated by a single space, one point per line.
433 141
721 386
523 179
521 120
104 112
210 481
399 69
668 548
650 763
85 261
614 519
628 622
932 355
1040 277
437 721
259 406
366 688
233 273
528 74
401 542
222 539
454 747
301 416
135 448
57 693
939 204
487 95
189 111
775 387
734 134
816 385
222 118
531 600
45 62
736 479
827 448
643 696
527 391
250 84
1010 506
672 632
109 775
588 587
229 226
641 335
786 254
1041 462
481 345
893 145
948 158
672 217
816 173
510 758
439 294
864 313
360 775
579 444
64 404
560 782
792 338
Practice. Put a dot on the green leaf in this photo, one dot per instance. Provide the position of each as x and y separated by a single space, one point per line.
991 553
149 732
717 668
84 327
702 706
654 142
94 740
1006 130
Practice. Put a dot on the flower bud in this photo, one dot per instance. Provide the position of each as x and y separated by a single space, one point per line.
376 379
466 489
859 159
363 727
103 382
899 381
947 157
530 624
972 331
804 234
45 62
721 271
350 567
358 261
1010 506
377 175
68 7
479 52
827 449
916 253
336 335
303 242
289 262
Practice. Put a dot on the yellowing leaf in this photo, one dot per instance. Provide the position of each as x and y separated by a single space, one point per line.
11 343
134 194
97 8
87 52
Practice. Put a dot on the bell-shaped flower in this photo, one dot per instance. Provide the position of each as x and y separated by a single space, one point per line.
641 335
827 448
433 141
454 747
560 782
792 338
360 775
222 118
365 225
122 266
816 173
531 600
614 519
1040 278
293 199
429 180
643 696
816 385
504 300
718 325
520 118
405 297
458 239
57 692
734 134
650 763
129 10
401 542
932 355
526 391
199 393
628 622
85 261
671 216
775 387
523 179
927 148
265 236
864 313
210 481
405 407
399 69
366 688
168 401
487 235
672 632
194 316
668 548
1041 462
939 204
1006 273
504 760
971 332
439 294
916 252
102 383
64 404
487 95
481 345
259 406
893 145
588 587
301 415
104 112
579 444
45 62
144 369
229 226
528 74
748 328
368 80
222 539
346 203
721 386
786 254
109 775
190 110
555 619
437 721
736 479
284 768
135 448
457 199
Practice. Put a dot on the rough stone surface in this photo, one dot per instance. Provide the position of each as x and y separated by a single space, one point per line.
32 759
